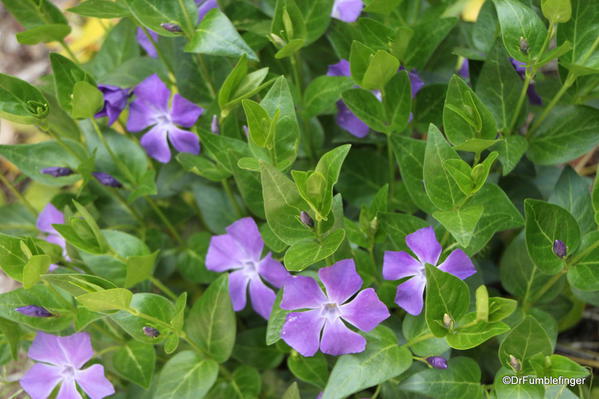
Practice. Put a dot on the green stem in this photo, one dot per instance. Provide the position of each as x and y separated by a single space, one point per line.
165 220
163 288
570 79
520 102
164 60
231 197
17 194
550 283
126 204
206 75
66 47
584 253
376 392
391 161
420 338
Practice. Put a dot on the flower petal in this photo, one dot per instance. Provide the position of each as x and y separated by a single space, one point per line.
458 264
301 292
347 10
48 216
400 264
73 350
365 311
224 253
204 7
348 121
94 383
409 295
153 92
68 390
337 339
238 283
339 69
246 232
301 331
416 83
155 144
273 271
341 280
141 116
184 112
425 246
184 141
40 380
145 43
262 297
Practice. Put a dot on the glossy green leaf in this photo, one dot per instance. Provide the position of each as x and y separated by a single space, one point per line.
307 252
367 108
582 31
276 320
135 361
111 299
323 92
557 11
153 13
461 223
44 34
584 275
524 341
572 192
66 75
186 376
101 9
398 101
313 370
87 100
427 35
21 102
34 268
151 304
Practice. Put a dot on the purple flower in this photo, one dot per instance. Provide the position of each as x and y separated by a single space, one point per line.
107 180
327 312
416 81
240 250
151 109
531 91
464 70
146 43
47 217
437 362
57 171
204 6
347 10
62 359
115 101
34 311
398 265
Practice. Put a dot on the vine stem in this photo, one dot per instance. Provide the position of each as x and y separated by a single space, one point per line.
17 194
161 55
66 47
163 288
568 82
391 161
231 197
520 102
420 338
550 283
206 75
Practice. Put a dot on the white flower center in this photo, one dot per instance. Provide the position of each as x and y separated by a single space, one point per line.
163 119
330 311
68 372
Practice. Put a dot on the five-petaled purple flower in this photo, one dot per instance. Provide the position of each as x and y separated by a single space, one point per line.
533 97
327 312
240 250
347 10
151 109
47 217
62 359
400 264
115 101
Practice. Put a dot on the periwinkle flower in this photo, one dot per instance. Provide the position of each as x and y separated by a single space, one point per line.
240 250
115 101
399 264
107 180
347 10
62 359
559 248
464 70
146 43
531 92
328 312
437 362
34 311
48 216
57 171
151 109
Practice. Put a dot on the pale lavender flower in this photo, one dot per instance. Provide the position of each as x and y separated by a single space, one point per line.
240 250
151 109
57 171
437 362
61 361
329 312
107 180
347 10
399 264
115 101
533 97
34 311
146 43
48 217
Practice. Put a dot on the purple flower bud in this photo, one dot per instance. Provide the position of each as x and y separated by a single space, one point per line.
246 130
151 332
107 180
214 127
33 311
174 28
437 362
57 171
306 219
515 364
115 101
559 248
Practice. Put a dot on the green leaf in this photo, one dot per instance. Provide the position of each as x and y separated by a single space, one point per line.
119 47
155 305
428 33
446 294
461 379
251 349
546 223
186 376
135 361
292 392
413 329
44 34
398 101
461 173
500 308
317 15
383 359
572 192
461 222
367 108
101 9
87 100
288 21
217 36
139 268
582 31
522 30
202 166
32 13
323 92
102 301
474 335
282 205
381 68
34 268
524 341
557 11
381 6
510 150
313 370
307 252
21 102
153 13
66 75
259 123
557 366
12 335
211 321
171 344
482 303
246 383
584 275
516 390
359 59
439 186
276 320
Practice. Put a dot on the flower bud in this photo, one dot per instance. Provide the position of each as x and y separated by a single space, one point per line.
559 248
437 362
173 28
306 219
151 332
57 171
34 311
107 180
214 127
523 45
447 321
515 364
